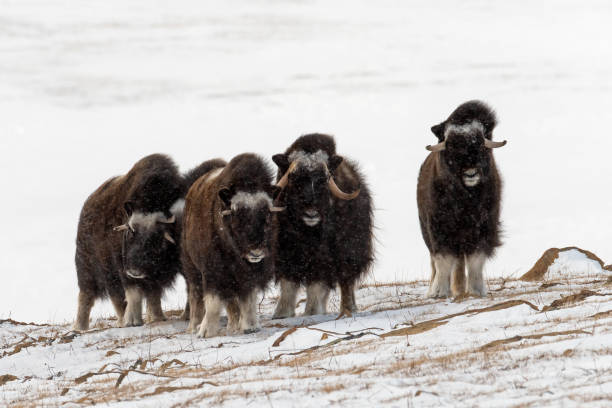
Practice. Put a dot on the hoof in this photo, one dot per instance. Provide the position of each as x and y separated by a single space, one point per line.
208 332
157 319
482 292
283 314
251 330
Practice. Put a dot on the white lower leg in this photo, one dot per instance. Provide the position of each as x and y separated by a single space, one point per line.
248 313
475 265
133 311
317 294
286 304
441 285
210 324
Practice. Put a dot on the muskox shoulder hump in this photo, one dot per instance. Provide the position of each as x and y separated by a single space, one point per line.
192 175
154 184
474 110
247 172
313 143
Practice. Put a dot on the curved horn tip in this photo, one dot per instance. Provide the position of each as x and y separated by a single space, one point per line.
169 238
494 145
335 190
226 213
277 209
120 228
437 148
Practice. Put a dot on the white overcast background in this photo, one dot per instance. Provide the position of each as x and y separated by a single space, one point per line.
87 88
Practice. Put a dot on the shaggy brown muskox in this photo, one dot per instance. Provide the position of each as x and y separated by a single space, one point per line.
143 260
458 196
325 235
189 178
229 237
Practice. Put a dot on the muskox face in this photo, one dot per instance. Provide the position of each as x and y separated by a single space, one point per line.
149 246
310 198
466 151
466 155
308 185
248 218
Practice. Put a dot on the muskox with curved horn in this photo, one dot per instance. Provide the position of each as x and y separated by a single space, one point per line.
458 196
229 233
325 235
127 241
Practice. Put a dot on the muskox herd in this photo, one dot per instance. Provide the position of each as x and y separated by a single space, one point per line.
232 228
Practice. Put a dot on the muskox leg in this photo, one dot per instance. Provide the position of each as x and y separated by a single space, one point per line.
286 304
233 317
476 285
154 307
433 270
317 294
458 277
347 299
118 301
248 313
133 312
210 323
196 307
186 312
86 302
440 287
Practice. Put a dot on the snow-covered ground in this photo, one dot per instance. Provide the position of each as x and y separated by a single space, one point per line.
528 344
87 88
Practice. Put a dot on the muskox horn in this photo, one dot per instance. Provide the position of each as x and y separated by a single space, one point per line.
121 228
437 148
494 145
277 209
169 238
335 190
225 213
170 220
282 183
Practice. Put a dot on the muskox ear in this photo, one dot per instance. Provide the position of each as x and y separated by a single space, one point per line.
438 130
334 162
282 161
225 194
128 206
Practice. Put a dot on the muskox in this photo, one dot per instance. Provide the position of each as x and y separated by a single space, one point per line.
325 234
189 178
126 245
229 233
458 197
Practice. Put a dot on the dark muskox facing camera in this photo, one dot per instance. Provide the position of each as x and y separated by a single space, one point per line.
139 256
325 235
458 196
228 247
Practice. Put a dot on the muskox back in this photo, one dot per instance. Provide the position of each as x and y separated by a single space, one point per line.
228 243
458 197
141 258
325 235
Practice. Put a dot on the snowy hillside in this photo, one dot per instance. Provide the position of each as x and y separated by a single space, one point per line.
540 343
